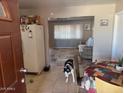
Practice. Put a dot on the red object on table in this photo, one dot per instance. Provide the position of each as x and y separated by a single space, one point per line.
92 90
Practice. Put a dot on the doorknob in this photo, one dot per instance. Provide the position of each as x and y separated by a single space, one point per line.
23 80
23 70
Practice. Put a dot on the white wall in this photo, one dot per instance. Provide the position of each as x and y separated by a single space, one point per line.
117 50
102 35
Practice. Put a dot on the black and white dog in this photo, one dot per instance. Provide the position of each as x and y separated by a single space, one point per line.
69 69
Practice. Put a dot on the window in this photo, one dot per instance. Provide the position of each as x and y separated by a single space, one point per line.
71 31
4 11
68 35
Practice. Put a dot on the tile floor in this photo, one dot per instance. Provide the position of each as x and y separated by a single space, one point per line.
59 55
50 82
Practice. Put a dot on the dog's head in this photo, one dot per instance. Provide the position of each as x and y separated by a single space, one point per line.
67 68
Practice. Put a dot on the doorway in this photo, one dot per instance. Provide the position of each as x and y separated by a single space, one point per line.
117 49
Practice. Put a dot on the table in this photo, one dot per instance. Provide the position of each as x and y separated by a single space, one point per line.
106 71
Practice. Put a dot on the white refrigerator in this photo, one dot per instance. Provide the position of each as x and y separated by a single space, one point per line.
33 47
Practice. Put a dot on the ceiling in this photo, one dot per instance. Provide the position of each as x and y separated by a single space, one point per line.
34 4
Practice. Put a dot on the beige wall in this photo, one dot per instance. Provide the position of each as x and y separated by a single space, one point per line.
28 12
102 35
119 5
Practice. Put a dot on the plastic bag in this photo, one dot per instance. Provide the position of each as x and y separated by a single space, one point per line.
90 42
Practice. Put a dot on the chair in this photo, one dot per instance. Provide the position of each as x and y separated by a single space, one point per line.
105 87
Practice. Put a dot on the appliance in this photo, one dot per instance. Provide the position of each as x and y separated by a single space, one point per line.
33 47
